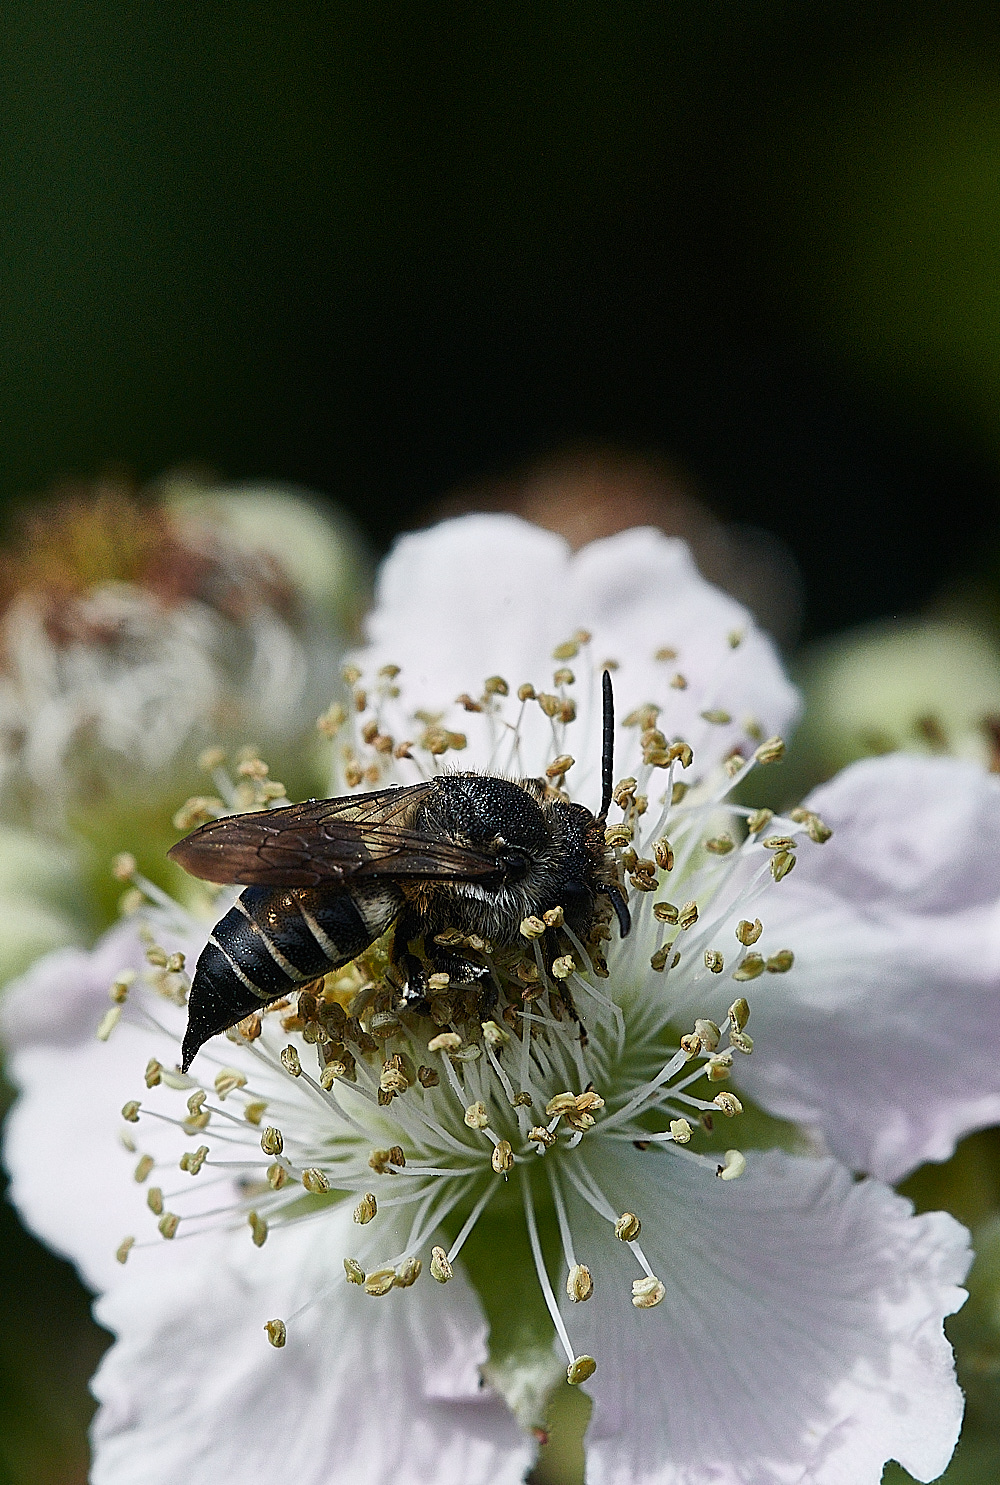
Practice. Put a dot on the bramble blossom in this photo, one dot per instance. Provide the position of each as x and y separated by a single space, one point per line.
433 1218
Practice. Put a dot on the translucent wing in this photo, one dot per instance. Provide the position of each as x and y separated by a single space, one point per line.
326 841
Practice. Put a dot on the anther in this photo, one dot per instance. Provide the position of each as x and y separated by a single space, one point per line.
495 685
770 751
815 827
780 963
728 1103
720 845
130 1111
502 1158
580 1369
193 1160
691 1045
627 1227
688 915
120 986
258 1229
734 1163
277 1176
380 1282
739 1013
532 927
749 933
563 677
718 1068
315 1181
646 1293
272 1141
446 1041
408 1273
759 820
154 1200
441 1269
227 1080
393 1080
665 912
108 1022
663 853
782 864
681 1131
539 1135
751 968
428 1077
143 1169
563 967
366 1209
476 1116
526 692
276 1332
355 1273
714 961
254 1111
708 1033
124 1249
168 1224
658 960
123 867
579 1284
290 1061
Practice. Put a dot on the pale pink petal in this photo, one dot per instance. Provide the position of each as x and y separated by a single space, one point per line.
800 1338
381 1390
886 1033
492 595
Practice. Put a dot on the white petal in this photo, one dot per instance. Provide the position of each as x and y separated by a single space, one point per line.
375 1390
800 1338
886 1033
492 595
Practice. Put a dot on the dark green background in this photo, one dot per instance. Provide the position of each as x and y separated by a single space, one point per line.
383 249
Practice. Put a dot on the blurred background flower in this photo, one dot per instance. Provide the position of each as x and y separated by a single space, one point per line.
731 273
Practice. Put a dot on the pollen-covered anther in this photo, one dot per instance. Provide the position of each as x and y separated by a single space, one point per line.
780 963
276 1332
542 1137
290 1061
495 685
408 1272
751 968
355 1273
647 1292
440 980
770 751
728 1103
382 1161
526 692
258 1229
739 1013
665 912
124 1248
782 864
708 1033
749 933
254 1111
560 766
393 1080
815 828
193 1160
441 1269
130 1111
580 1369
714 961
741 1041
272 1141
579 1284
681 1131
380 1282
227 1080
494 1035
277 1176
445 1041
627 1227
734 1163
720 845
314 1180
502 1158
688 915
168 1224
718 1068
532 927
563 967
759 820
476 1116
366 1209
154 1200
618 835
143 1168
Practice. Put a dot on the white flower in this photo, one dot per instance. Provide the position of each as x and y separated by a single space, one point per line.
135 632
323 1167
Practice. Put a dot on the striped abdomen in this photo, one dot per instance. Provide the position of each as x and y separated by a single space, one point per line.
273 941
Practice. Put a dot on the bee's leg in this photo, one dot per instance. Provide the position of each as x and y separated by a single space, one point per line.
414 996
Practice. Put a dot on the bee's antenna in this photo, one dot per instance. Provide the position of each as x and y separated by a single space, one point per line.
607 748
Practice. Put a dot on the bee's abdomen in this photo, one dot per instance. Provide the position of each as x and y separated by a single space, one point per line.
272 942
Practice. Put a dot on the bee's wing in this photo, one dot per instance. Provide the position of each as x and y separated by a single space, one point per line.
325 841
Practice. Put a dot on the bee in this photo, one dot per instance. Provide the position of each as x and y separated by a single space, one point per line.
324 879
